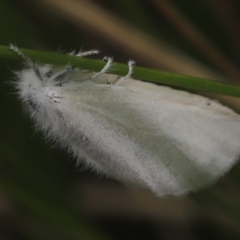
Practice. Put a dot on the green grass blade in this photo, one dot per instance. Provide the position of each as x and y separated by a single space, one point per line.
145 74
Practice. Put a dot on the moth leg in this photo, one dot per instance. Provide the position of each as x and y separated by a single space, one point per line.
84 53
105 68
71 68
61 73
131 64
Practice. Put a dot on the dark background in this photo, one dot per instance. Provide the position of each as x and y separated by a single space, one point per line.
43 195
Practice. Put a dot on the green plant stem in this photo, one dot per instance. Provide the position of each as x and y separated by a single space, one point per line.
145 74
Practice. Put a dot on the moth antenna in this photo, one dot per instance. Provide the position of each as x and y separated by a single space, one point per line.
18 52
27 59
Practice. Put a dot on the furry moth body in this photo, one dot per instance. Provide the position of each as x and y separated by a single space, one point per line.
165 140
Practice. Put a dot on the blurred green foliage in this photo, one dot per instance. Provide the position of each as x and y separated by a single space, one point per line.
38 179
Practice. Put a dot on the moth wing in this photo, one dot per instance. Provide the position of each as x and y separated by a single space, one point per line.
163 139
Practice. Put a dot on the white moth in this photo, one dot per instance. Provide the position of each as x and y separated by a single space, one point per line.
162 139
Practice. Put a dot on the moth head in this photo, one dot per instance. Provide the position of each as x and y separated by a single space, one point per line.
30 84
